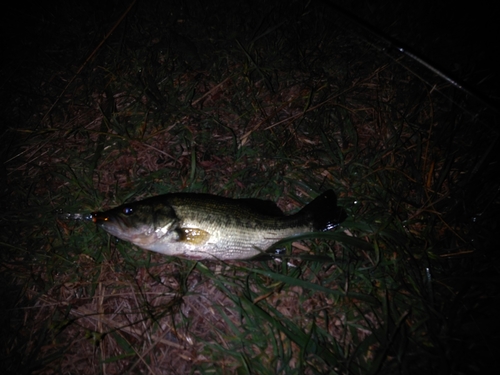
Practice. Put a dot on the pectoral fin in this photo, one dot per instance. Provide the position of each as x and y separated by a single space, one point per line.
193 236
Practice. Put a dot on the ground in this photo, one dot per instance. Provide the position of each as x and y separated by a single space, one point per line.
104 103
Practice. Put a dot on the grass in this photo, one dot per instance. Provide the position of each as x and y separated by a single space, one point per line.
271 101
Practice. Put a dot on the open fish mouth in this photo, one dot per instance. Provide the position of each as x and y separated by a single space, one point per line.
99 217
114 225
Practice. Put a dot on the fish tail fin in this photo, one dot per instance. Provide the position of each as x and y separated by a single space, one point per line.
323 212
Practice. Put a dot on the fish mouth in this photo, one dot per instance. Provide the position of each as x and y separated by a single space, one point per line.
99 217
122 228
117 226
109 223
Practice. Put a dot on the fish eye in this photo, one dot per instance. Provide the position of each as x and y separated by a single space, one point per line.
127 211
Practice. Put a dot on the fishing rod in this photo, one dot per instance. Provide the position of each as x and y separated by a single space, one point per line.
384 43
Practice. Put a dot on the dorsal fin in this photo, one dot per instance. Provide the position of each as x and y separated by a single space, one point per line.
262 207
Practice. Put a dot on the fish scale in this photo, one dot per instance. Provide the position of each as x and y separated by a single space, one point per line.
204 226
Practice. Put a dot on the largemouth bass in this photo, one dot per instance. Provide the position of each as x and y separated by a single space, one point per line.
204 226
